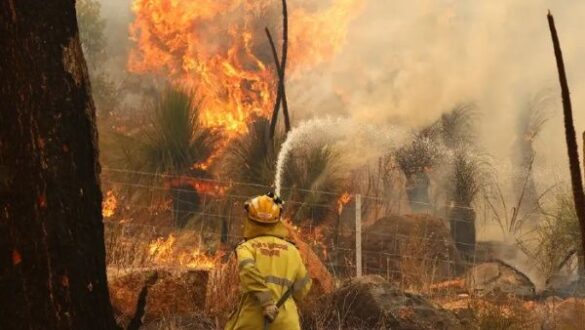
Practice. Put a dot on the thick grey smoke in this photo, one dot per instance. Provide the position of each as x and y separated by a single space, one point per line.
409 61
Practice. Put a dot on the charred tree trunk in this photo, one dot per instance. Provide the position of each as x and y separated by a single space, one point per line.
417 190
186 202
462 226
571 137
52 264
280 70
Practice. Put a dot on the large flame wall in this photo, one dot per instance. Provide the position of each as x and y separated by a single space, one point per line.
219 49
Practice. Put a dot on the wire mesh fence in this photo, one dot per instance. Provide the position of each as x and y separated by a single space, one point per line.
412 249
181 222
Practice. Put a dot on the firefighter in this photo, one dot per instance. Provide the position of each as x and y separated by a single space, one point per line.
269 265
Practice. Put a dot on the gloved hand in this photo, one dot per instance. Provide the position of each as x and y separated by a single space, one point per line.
270 311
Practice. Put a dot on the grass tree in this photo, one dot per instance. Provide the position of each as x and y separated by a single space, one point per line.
415 160
252 158
466 174
530 121
466 177
174 144
315 181
428 147
312 181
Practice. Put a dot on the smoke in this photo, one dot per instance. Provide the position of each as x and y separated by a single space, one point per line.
358 144
118 16
409 61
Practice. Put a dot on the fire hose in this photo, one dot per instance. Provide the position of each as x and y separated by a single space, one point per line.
279 303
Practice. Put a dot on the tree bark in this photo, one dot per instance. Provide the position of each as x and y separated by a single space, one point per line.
571 136
462 226
52 254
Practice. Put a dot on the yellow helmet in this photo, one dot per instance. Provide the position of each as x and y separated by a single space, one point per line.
264 209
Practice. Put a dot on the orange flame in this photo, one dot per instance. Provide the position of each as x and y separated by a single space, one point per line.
219 49
342 201
202 186
109 204
163 251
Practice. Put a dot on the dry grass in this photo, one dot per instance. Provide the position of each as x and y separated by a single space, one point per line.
566 314
504 315
418 269
177 302
223 291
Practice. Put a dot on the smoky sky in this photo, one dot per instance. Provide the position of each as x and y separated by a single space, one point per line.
410 61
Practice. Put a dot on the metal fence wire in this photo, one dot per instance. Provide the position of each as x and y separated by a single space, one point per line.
354 234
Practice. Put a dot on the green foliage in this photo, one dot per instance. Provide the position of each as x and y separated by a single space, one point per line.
175 141
556 237
466 177
422 153
457 126
316 181
91 31
93 42
453 130
252 158
533 116
312 177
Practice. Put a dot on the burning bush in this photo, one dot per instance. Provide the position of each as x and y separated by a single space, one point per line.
221 48
174 147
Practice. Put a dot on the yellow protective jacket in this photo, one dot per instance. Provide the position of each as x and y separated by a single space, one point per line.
268 266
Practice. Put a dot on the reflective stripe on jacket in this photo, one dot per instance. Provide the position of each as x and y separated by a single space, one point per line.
268 266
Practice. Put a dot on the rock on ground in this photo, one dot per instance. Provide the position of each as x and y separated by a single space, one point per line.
496 277
370 302
575 288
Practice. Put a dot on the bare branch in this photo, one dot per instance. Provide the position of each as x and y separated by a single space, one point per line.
280 69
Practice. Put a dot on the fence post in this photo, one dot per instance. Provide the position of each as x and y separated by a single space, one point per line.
358 234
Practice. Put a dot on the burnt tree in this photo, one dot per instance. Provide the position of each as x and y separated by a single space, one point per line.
52 254
571 138
280 70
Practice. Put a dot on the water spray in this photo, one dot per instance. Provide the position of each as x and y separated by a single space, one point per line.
358 142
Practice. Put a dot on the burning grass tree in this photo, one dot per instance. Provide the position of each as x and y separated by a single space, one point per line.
175 144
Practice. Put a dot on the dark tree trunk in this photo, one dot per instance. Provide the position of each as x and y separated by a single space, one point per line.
186 201
462 225
570 135
52 255
417 190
